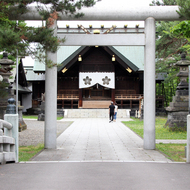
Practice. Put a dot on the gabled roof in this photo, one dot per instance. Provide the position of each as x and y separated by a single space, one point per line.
121 57
32 76
21 89
71 59
135 54
111 50
127 56
22 77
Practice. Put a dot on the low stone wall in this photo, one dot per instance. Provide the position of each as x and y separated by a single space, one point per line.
7 143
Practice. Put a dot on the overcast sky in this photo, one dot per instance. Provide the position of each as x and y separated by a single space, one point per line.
102 4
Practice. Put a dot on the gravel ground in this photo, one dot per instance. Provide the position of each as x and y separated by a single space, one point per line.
34 134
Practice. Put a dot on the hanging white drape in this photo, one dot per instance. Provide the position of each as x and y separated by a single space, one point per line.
90 79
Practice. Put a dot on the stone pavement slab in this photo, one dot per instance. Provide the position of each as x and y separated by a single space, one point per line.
95 139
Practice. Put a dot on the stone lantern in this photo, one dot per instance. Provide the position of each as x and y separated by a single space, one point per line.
183 72
5 67
178 108
5 72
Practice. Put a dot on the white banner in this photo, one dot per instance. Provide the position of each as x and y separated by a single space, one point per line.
87 80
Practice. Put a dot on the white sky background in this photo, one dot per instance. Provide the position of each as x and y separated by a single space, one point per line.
28 61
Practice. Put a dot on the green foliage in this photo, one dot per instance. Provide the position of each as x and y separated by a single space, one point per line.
167 88
184 7
182 30
18 36
10 40
68 7
167 43
163 2
171 40
9 57
168 49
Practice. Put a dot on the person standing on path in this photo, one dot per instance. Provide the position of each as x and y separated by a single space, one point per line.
115 115
111 111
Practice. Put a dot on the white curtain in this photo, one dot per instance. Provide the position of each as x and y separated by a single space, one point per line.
90 79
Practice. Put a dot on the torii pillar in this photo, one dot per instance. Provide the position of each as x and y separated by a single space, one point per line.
50 131
149 84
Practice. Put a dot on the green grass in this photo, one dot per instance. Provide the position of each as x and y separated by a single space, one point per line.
175 152
30 117
27 152
59 118
161 132
36 117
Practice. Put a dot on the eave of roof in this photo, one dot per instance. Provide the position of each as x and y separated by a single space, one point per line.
124 59
73 58
22 76
70 58
21 89
32 76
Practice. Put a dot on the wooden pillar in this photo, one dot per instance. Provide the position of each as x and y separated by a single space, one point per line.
121 103
62 103
140 105
80 98
113 95
131 104
72 104
89 93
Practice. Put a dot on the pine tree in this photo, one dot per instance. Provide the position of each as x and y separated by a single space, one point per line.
184 8
17 36
170 42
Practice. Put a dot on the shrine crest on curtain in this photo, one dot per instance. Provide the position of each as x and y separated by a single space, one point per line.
87 80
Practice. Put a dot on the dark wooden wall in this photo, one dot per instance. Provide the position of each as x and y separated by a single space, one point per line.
98 60
127 81
38 87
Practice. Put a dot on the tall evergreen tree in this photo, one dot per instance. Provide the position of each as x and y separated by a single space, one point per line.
17 36
184 7
169 45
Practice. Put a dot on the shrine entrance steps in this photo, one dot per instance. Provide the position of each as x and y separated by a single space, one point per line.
94 113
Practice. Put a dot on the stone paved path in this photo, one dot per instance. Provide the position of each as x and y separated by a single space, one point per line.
95 139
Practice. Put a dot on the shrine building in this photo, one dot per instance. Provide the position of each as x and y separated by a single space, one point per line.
93 76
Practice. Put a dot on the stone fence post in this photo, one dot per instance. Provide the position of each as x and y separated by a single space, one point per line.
13 118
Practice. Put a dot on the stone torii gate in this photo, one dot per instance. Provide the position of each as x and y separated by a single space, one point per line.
147 14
